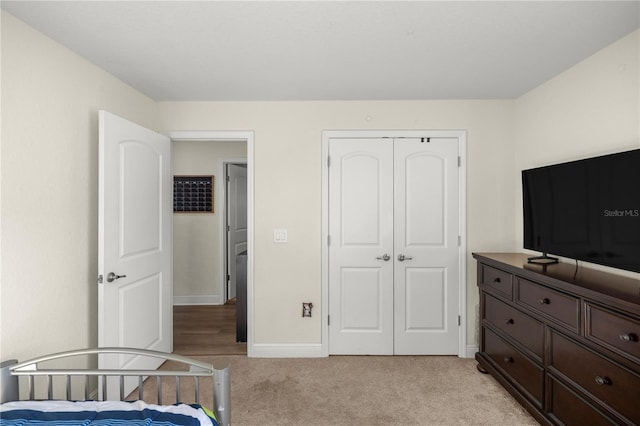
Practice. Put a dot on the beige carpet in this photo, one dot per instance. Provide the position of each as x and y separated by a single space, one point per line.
371 390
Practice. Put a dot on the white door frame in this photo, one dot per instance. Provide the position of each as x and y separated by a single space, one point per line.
240 136
462 191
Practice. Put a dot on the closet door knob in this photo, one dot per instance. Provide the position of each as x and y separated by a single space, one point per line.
544 301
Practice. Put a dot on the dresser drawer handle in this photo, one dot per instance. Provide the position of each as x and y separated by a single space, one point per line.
509 321
508 360
628 337
544 301
496 280
603 380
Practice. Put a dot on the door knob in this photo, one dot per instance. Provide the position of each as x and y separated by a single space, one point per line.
402 257
384 257
111 277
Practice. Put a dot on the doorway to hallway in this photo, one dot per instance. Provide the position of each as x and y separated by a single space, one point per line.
201 315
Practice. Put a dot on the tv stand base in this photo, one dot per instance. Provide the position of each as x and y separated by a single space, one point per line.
542 260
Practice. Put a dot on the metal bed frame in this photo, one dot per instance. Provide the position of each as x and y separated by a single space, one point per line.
11 371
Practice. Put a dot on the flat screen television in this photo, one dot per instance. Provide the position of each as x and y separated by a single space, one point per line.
585 210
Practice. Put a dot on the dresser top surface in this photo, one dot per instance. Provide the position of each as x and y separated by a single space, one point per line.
578 279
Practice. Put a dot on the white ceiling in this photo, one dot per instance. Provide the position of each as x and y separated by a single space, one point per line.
332 50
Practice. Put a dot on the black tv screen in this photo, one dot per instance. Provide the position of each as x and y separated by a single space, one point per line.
585 210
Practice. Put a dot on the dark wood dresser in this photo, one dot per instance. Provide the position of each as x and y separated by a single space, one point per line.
563 340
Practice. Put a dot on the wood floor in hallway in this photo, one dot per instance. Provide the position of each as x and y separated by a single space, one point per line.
206 330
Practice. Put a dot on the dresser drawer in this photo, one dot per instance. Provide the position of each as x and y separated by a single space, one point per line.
556 305
614 331
617 387
520 326
526 373
570 409
497 281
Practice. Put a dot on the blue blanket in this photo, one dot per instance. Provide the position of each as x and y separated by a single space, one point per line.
92 413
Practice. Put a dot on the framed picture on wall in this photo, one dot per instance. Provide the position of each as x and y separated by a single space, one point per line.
193 194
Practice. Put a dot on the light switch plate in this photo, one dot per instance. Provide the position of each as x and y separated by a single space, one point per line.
280 236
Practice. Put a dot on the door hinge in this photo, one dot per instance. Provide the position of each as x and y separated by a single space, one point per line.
328 240
100 279
459 320
328 161
228 228
228 277
228 178
328 319
459 161
459 240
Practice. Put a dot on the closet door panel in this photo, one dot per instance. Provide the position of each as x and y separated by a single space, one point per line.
426 246
361 232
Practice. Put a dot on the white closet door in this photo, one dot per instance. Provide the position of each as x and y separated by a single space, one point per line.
393 251
361 222
426 246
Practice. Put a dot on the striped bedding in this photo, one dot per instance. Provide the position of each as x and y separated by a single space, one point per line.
98 413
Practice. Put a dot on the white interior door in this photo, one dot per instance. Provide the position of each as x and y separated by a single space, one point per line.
426 246
236 220
361 247
135 253
393 250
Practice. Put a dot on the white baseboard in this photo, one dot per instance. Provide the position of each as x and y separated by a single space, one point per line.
471 351
311 350
197 300
286 350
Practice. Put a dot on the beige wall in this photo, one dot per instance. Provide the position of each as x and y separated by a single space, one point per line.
591 109
50 99
197 238
288 170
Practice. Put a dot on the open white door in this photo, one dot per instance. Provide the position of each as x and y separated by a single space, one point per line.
134 247
236 220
